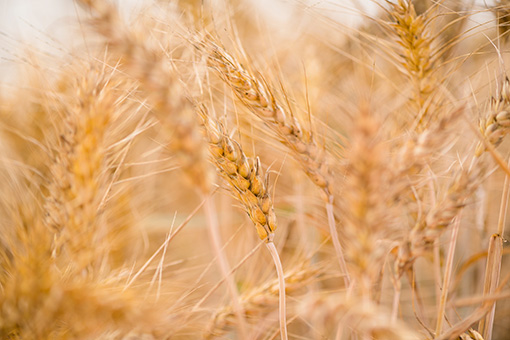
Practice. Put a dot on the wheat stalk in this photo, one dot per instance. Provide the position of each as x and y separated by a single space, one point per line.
494 258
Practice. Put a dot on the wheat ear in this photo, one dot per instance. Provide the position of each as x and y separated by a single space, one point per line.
438 219
79 178
149 64
496 124
245 178
260 300
416 54
255 93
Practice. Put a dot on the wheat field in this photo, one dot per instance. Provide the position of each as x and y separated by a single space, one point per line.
215 169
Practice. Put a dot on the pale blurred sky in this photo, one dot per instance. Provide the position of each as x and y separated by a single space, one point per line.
24 18
50 24
46 24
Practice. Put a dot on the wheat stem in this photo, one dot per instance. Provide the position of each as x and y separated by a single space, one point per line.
396 299
281 280
437 269
214 233
494 257
447 276
336 241
476 315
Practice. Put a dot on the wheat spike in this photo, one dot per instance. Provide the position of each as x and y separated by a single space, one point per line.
256 95
148 63
496 124
416 55
244 175
262 300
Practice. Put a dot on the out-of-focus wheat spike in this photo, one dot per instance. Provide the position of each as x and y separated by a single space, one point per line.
370 187
262 300
439 217
418 149
42 298
496 124
79 175
335 315
148 63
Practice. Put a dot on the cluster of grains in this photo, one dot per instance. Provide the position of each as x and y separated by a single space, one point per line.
255 93
497 123
368 203
244 175
262 300
414 38
78 174
471 334
41 301
48 290
429 228
145 60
